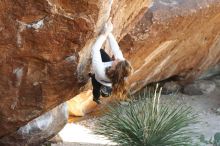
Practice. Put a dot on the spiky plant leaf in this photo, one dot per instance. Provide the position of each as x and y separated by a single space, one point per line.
146 122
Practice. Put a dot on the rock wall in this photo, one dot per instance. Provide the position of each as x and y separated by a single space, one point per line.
176 39
45 51
45 47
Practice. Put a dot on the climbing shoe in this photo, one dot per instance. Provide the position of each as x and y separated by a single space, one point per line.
97 101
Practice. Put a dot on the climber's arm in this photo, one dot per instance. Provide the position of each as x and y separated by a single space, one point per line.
115 47
97 63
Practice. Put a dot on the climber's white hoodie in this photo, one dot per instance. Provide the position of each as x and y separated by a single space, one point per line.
97 64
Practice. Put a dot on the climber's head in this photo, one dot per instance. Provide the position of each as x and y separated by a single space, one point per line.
117 74
114 63
121 68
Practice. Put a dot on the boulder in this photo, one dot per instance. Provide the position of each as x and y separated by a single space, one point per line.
81 104
45 51
40 129
211 72
216 79
174 38
170 87
199 87
45 47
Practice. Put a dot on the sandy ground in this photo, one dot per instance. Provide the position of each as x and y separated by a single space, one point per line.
206 105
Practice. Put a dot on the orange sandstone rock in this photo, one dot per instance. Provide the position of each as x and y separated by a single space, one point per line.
45 50
179 39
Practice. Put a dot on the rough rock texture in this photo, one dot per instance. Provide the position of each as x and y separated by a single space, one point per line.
175 38
199 87
81 104
212 71
45 49
170 87
39 129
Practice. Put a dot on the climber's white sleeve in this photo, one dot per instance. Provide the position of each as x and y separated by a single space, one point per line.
115 47
97 64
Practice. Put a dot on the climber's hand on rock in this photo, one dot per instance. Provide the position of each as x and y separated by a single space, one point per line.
108 27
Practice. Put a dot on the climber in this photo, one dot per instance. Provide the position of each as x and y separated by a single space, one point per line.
109 75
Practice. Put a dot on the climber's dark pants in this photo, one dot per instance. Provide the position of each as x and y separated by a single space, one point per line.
96 85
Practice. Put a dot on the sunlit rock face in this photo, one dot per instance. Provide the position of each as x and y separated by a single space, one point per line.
45 51
175 38
45 47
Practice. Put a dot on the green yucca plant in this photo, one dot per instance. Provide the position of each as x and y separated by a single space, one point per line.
147 122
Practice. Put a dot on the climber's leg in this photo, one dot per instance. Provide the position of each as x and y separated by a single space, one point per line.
96 89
